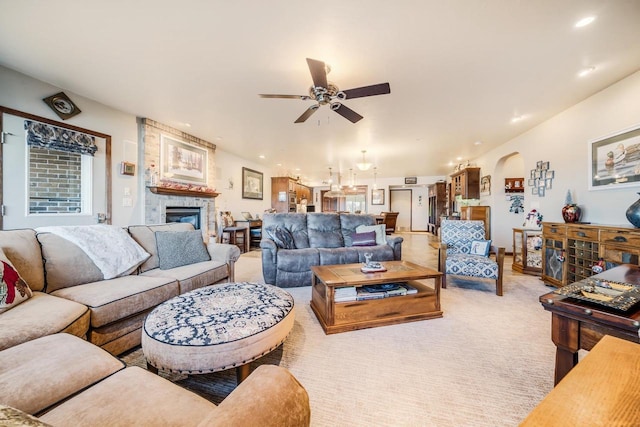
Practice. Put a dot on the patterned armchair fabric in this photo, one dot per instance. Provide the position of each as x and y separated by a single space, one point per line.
455 256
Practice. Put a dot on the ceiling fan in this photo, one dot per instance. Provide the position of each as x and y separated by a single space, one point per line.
324 92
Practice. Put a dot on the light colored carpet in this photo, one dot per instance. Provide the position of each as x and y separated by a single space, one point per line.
487 362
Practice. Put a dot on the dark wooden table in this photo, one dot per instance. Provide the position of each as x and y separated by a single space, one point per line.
577 324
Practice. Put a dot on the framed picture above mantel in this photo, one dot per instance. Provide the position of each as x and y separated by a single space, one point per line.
182 162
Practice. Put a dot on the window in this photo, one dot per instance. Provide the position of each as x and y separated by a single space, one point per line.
59 182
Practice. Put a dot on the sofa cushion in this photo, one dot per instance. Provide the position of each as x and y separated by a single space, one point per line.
145 236
379 229
349 222
338 256
471 265
178 248
324 230
367 238
296 223
114 299
41 315
281 237
13 288
110 247
42 372
194 276
65 263
132 397
22 249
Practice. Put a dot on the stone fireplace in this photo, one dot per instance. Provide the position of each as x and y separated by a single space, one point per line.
157 197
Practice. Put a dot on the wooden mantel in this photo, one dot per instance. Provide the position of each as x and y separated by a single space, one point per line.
186 193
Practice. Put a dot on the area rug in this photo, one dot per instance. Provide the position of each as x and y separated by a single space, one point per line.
487 362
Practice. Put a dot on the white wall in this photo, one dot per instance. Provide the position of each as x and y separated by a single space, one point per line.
229 167
23 93
564 141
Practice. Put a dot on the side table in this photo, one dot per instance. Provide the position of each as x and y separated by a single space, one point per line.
579 325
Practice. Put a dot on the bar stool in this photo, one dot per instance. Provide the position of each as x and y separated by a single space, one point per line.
238 236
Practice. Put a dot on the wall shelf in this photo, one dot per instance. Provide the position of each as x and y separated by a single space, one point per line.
186 193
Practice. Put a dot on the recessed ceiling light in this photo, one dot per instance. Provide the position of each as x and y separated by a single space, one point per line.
261 156
516 119
586 71
477 143
187 125
458 158
585 21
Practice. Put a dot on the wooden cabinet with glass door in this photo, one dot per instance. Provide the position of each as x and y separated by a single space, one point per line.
527 251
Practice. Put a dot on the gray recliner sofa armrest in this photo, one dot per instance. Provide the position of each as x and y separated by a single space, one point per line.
396 244
226 253
269 260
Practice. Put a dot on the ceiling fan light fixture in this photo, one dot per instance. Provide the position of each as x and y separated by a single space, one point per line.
364 165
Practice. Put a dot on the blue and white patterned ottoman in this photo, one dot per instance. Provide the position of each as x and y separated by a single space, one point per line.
216 328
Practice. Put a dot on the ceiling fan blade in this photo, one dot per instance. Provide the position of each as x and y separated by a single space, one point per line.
302 97
359 92
318 72
346 112
307 114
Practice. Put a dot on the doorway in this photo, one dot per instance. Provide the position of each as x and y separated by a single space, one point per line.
400 201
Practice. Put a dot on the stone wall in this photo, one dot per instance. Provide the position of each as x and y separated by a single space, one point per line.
155 204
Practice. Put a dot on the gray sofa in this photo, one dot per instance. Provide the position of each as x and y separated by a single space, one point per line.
293 242
71 295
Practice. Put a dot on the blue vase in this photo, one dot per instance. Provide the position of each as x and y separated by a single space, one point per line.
633 213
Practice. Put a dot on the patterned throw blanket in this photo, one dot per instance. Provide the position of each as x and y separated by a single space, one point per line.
110 247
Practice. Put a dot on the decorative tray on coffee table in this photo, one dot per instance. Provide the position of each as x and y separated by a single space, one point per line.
372 267
618 295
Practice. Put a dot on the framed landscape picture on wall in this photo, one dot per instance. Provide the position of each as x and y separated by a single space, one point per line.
614 161
182 162
377 197
252 184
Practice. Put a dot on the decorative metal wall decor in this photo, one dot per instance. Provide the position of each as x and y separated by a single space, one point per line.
541 179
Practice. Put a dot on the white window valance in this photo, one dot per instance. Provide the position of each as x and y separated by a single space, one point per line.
55 138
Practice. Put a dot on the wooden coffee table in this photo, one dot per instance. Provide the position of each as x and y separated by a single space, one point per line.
337 317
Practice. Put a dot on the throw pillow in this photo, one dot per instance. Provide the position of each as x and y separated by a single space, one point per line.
480 247
10 416
178 248
13 288
380 230
227 219
367 238
281 237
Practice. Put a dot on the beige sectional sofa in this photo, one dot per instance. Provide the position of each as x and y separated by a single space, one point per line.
70 294
65 381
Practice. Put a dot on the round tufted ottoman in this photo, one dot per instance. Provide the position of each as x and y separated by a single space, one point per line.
216 328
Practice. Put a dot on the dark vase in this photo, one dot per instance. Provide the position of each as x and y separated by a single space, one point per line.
571 213
633 213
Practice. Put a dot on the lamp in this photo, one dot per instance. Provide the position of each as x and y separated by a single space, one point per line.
364 165
336 190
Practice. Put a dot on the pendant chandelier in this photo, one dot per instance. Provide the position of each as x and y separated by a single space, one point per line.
363 165
336 190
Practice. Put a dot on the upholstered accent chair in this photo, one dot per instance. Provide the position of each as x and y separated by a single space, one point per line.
389 220
465 252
